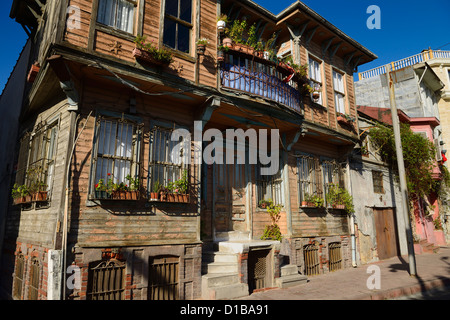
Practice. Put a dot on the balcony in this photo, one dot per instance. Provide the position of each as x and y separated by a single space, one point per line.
259 77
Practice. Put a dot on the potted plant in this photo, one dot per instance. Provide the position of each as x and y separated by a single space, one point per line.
339 198
101 190
222 23
201 46
39 191
149 52
133 188
34 70
20 194
344 118
306 202
221 53
119 191
154 196
263 204
273 231
181 187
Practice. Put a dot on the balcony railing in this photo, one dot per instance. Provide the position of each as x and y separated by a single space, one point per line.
403 63
259 77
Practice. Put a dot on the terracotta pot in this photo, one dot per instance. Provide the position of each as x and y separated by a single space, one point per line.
342 119
40 196
153 196
171 197
227 42
185 198
316 95
220 56
145 56
339 206
33 73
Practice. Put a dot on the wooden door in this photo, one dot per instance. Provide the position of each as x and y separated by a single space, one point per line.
230 181
386 228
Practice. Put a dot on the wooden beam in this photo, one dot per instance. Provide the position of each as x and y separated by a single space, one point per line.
310 35
334 49
326 45
349 58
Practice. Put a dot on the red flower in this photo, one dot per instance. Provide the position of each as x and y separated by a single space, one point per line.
96 185
109 174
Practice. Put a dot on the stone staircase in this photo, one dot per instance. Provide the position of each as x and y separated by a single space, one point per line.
220 270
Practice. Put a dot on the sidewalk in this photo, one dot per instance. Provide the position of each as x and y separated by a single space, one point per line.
433 271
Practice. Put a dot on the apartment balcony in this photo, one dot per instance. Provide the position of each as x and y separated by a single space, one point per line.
258 77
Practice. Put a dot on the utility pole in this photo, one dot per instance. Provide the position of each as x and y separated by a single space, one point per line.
401 173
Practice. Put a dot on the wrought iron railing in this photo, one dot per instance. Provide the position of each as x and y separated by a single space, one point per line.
259 77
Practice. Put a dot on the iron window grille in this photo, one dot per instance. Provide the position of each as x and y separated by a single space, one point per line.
37 155
163 278
309 182
269 186
311 259
18 277
167 158
116 151
33 288
377 179
335 256
106 280
332 175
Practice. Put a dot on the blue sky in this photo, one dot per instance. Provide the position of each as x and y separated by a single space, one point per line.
407 27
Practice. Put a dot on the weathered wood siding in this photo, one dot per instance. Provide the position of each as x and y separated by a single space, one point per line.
126 223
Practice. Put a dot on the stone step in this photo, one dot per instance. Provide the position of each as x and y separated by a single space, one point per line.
220 267
212 280
291 280
220 257
233 291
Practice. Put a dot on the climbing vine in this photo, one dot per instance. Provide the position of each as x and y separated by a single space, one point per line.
419 157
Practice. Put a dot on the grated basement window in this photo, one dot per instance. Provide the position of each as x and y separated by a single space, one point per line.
335 256
106 280
33 289
18 277
311 258
163 278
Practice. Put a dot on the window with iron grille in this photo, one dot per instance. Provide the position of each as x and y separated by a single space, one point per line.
178 24
106 280
309 182
163 278
332 174
168 158
116 151
377 178
18 276
119 14
33 288
37 157
311 259
269 186
334 256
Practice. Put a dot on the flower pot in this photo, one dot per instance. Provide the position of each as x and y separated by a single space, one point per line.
18 200
266 55
154 196
171 197
132 195
185 198
243 48
339 206
201 48
316 95
227 42
145 56
119 195
263 205
40 196
33 73
28 199
221 26
220 56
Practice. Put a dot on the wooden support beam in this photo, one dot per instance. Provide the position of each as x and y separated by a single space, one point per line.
326 45
310 35
334 49
348 58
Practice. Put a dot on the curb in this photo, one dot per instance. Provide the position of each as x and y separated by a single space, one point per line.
407 291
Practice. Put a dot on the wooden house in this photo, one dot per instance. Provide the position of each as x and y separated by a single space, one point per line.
96 140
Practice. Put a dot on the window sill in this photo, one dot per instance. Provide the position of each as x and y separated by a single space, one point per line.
115 32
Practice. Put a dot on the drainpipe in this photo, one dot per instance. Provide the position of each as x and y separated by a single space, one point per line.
74 119
352 218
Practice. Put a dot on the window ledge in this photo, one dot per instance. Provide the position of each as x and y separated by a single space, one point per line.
115 32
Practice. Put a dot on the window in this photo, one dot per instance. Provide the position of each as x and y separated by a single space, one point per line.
117 146
339 92
178 24
167 160
33 289
37 158
377 178
269 187
308 177
118 14
332 174
18 277
106 280
163 278
315 75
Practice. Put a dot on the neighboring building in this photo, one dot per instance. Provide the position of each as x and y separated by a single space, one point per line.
97 110
421 91
380 230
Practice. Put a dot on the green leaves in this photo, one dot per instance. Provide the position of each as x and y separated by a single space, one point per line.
418 154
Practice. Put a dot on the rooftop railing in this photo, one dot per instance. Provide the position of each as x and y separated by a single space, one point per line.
403 63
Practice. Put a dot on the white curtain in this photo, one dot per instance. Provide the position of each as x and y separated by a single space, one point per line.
117 13
339 90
